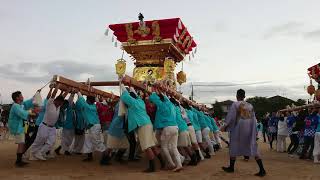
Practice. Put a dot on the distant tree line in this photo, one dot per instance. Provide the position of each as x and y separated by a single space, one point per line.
262 105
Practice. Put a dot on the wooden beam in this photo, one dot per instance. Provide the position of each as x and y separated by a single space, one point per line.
65 83
297 108
129 81
103 83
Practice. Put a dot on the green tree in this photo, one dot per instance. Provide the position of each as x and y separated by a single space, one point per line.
261 105
218 111
300 102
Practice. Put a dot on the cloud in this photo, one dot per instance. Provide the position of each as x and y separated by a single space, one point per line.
30 72
211 91
292 29
288 29
312 34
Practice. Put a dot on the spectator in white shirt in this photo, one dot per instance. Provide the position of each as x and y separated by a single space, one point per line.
46 135
282 134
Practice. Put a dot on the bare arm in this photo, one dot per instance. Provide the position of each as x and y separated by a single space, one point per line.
70 100
54 93
49 94
64 95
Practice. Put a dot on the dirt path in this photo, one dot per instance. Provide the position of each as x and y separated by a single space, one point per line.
278 165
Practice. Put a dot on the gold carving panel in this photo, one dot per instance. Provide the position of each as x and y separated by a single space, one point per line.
150 74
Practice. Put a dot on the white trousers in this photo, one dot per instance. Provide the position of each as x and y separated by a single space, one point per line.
281 143
316 150
217 137
93 141
45 139
205 134
169 143
67 139
78 143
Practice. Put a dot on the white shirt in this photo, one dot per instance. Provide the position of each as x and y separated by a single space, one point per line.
52 113
282 128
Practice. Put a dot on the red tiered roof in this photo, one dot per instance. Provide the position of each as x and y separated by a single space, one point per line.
169 29
314 72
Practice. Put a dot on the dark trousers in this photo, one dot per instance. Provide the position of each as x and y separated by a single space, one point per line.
294 144
133 143
272 137
308 143
264 133
30 139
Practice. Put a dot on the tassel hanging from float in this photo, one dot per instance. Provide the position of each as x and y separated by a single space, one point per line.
192 55
189 57
182 66
112 39
175 38
177 33
180 24
195 51
116 43
106 33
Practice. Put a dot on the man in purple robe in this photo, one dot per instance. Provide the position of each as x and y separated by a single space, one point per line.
241 123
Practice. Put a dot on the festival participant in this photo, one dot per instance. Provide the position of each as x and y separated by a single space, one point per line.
93 141
68 127
59 128
2 130
30 127
131 136
265 127
105 113
17 117
117 139
316 150
297 128
311 124
282 134
241 124
259 129
215 131
205 131
188 117
184 142
290 123
41 114
198 129
79 128
166 122
46 135
273 128
139 120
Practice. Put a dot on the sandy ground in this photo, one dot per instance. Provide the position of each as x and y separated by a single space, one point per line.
278 166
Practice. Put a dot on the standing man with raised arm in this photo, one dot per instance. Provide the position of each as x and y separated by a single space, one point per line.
68 127
46 135
16 118
93 141
166 122
242 125
139 120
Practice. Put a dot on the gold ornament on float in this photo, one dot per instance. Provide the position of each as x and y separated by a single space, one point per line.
317 95
156 31
121 67
169 65
311 89
181 77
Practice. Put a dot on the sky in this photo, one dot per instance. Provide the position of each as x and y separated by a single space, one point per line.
264 47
